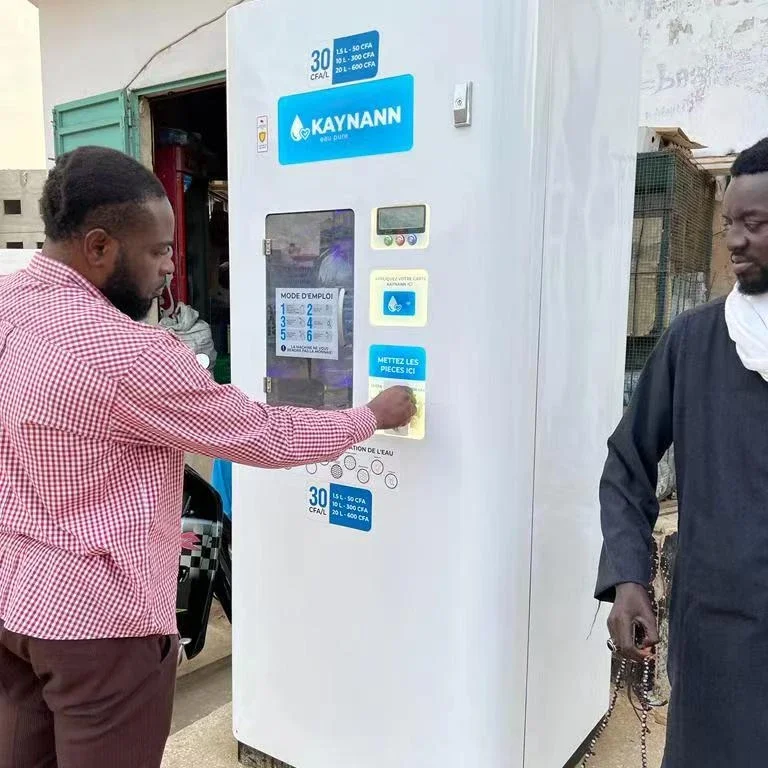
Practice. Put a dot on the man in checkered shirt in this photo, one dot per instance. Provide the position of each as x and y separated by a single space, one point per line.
96 412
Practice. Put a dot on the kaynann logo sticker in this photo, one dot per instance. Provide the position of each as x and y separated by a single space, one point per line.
357 121
298 131
372 118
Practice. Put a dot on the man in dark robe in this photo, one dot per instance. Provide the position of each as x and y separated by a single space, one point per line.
705 389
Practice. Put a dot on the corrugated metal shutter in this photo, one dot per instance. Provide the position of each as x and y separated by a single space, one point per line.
102 121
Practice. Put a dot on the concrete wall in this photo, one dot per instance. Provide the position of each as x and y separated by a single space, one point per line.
21 97
26 186
706 70
91 46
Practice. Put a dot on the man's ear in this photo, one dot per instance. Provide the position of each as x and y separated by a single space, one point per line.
100 250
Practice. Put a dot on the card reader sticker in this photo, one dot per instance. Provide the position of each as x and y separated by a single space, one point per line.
374 118
399 297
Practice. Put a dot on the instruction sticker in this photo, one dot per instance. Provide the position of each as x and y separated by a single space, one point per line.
307 323
394 365
340 505
345 60
399 297
373 118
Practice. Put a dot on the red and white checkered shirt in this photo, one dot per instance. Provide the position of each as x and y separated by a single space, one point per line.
95 414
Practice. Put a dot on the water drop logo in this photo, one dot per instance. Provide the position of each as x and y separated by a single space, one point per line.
394 306
298 131
399 304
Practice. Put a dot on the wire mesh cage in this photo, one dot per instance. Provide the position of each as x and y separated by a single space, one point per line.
671 250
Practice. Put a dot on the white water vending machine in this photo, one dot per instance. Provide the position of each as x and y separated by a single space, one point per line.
436 193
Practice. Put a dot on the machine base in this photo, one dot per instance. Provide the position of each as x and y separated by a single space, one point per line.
254 759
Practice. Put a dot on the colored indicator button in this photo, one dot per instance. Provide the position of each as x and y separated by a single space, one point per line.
388 240
400 240
412 239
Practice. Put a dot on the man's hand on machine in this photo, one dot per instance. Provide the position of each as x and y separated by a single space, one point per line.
394 407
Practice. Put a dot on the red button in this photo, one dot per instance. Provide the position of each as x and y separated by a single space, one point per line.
400 240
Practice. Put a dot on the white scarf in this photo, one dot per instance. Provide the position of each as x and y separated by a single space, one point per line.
747 320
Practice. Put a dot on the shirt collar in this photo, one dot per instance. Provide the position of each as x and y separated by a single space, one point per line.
54 272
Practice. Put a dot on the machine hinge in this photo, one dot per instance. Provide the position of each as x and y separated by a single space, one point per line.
267 385
267 247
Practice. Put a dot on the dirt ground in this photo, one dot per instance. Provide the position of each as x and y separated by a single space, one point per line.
620 745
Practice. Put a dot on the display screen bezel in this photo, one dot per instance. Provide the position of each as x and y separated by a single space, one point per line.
401 230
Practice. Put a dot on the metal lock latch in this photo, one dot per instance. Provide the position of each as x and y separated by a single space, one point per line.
462 105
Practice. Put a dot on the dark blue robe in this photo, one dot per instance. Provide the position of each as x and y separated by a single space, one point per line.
696 393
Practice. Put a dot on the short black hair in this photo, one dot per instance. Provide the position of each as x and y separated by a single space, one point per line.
95 187
752 161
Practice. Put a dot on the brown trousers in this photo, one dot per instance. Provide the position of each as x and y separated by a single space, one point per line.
85 703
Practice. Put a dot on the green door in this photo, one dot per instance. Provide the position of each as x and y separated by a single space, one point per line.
102 121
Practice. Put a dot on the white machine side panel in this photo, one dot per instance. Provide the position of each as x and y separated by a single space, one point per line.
587 242
406 645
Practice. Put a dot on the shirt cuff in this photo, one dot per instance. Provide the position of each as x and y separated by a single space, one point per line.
364 423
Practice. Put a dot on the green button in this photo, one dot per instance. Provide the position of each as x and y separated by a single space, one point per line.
388 240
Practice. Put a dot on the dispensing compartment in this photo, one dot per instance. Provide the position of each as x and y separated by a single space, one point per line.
310 308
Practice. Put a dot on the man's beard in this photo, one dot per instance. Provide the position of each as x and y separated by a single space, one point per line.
121 290
756 285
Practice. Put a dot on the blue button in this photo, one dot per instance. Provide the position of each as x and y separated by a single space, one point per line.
399 303
412 239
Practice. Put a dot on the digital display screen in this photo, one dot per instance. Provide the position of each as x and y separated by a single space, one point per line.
402 220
